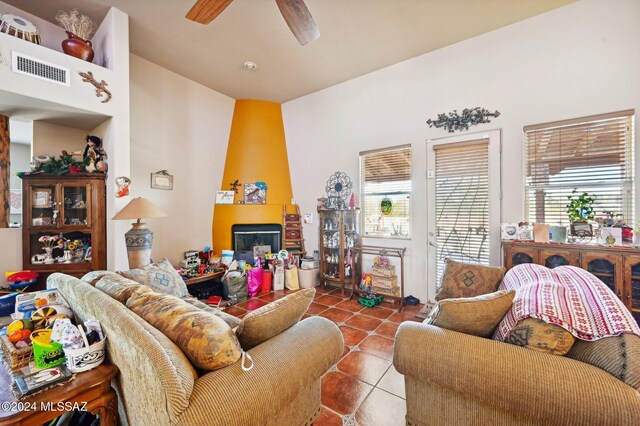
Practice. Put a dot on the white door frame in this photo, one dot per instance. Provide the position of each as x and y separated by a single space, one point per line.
495 196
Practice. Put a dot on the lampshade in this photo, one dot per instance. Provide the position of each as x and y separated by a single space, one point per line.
139 208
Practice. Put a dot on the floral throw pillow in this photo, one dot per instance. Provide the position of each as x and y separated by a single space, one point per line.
160 276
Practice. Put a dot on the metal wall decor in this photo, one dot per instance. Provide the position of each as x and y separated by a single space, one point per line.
469 117
101 88
338 188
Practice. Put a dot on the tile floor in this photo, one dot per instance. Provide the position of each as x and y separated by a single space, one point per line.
363 388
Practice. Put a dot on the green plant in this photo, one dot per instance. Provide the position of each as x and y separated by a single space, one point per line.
64 165
580 207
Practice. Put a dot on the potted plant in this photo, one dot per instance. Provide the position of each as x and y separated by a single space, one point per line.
580 211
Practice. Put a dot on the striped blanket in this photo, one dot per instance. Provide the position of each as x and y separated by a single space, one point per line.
567 296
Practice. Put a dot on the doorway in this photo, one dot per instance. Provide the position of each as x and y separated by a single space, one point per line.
463 197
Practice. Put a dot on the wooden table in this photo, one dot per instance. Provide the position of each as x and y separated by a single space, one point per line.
203 278
90 391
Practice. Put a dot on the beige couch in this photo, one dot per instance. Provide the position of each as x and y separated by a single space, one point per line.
158 386
453 378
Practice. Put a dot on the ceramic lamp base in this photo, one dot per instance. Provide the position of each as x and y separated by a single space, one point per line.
139 240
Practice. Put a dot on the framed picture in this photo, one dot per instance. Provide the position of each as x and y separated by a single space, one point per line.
225 197
253 194
41 197
161 180
581 229
612 236
16 201
509 231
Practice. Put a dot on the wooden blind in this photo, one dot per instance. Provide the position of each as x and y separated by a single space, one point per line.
592 154
462 203
386 174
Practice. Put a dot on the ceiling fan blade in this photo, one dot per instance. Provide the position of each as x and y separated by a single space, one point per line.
205 11
299 19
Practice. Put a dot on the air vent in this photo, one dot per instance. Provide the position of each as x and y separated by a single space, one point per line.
23 64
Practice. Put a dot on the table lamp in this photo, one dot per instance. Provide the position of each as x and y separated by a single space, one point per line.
139 238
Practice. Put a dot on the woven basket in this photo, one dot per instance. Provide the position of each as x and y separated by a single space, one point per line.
15 358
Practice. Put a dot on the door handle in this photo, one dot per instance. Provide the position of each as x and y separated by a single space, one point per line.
431 244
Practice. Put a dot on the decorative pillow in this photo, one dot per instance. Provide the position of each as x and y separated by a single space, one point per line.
205 339
93 277
272 319
540 336
120 288
160 276
478 316
468 280
617 355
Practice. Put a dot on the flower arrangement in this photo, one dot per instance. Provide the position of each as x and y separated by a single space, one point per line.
66 244
76 23
49 240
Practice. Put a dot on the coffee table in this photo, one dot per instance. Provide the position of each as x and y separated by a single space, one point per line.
90 391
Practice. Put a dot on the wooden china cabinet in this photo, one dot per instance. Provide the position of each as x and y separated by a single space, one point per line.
618 267
339 235
72 207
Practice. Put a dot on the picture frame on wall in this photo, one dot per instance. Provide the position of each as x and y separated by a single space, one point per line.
254 194
225 197
161 180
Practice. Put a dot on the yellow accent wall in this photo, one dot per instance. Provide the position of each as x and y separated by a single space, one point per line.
257 152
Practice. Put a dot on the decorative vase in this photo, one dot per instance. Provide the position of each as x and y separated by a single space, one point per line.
49 255
68 256
78 47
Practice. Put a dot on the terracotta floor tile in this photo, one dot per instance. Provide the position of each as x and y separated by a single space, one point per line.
393 382
305 316
235 310
343 393
387 329
274 295
382 409
350 305
325 299
378 346
412 309
364 366
363 322
399 317
316 308
252 304
328 418
345 351
336 315
377 312
322 289
352 336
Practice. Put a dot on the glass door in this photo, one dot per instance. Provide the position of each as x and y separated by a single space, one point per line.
75 206
330 240
463 193
632 265
42 207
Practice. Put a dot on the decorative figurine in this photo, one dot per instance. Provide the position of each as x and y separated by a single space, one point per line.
96 154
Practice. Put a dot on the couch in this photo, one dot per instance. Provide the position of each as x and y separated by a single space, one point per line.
157 385
455 378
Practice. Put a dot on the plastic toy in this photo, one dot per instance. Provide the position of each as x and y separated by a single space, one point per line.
7 304
21 279
370 300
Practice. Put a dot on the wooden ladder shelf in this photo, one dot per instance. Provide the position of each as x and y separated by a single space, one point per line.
293 239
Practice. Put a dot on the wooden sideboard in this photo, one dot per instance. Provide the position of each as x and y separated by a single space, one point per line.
618 267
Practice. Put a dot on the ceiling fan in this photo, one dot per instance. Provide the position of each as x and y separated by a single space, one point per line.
295 13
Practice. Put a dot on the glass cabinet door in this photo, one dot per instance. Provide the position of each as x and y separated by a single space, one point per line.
43 207
608 268
633 292
351 240
555 258
330 240
75 205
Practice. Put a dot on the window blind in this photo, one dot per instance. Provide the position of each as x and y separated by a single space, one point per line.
385 178
592 154
462 203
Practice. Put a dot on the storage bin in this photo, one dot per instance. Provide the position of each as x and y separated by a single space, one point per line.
83 359
381 271
309 277
384 282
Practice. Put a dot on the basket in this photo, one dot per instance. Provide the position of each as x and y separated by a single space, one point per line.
14 357
83 359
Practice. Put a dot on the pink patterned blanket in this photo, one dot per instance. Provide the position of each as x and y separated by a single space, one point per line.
567 296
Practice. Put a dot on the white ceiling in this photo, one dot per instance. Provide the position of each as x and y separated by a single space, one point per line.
356 37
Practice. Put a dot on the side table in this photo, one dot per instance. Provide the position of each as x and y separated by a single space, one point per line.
90 390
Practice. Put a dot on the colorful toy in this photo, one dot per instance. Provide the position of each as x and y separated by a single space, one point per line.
370 300
21 279
7 304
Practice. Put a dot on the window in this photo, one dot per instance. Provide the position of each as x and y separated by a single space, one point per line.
592 154
385 179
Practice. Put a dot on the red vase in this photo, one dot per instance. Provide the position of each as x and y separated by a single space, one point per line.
75 46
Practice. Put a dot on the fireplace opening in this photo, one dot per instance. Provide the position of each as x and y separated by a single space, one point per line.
256 239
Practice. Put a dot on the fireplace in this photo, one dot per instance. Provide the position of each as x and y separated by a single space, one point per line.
246 237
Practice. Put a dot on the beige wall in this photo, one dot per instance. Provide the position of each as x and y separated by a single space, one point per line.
182 127
50 139
574 61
